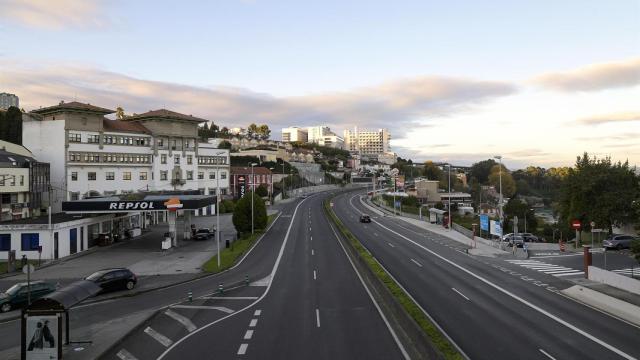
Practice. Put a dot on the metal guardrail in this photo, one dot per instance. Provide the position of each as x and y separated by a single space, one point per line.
462 230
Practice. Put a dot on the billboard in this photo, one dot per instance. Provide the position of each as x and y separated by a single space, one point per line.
42 337
400 182
242 184
484 222
495 228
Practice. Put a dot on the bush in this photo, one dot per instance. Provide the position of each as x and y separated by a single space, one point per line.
242 213
226 206
262 191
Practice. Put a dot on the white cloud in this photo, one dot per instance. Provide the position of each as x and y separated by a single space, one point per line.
593 77
610 118
55 14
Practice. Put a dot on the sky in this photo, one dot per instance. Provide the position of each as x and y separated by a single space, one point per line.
537 82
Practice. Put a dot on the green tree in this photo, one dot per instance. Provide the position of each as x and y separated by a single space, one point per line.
481 170
520 209
119 113
252 131
224 145
508 184
264 132
600 191
11 125
262 191
431 171
242 213
635 249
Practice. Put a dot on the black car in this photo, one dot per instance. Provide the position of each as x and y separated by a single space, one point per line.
203 234
365 218
114 279
17 295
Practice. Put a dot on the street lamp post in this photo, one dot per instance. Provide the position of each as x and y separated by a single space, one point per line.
271 192
450 214
253 190
499 157
218 208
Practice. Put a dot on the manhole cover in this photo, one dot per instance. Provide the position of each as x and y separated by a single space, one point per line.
178 269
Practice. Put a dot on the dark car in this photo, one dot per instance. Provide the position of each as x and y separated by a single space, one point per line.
114 279
17 295
618 242
365 218
203 234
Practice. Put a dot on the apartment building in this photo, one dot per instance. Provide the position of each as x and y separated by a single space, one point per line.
91 155
368 143
294 133
7 100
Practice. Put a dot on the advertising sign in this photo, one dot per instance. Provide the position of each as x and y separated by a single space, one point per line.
495 228
400 182
484 222
42 337
241 185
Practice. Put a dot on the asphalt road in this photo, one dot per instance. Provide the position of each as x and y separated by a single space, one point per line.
617 261
491 309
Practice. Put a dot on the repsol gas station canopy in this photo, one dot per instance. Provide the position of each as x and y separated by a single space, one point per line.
138 202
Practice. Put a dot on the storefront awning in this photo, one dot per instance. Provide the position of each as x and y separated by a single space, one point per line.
138 202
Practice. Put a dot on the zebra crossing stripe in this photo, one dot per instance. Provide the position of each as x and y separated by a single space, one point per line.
549 269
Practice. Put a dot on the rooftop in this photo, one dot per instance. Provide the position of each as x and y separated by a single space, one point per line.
124 126
55 219
164 114
73 106
257 170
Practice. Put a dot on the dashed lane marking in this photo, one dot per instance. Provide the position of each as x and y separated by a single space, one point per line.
253 322
317 318
125 355
165 341
229 297
314 275
461 294
203 307
248 335
243 349
257 313
417 263
190 326
547 354
390 244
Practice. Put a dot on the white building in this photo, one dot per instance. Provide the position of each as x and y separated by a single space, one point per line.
91 155
323 136
7 100
367 143
294 133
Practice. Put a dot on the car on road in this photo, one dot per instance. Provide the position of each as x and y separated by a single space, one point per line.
364 218
526 237
203 234
17 296
114 279
618 242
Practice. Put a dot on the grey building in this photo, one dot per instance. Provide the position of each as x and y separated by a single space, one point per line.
7 100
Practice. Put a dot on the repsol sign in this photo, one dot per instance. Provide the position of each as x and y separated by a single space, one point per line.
131 205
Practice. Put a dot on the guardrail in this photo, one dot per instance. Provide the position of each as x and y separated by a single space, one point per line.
462 230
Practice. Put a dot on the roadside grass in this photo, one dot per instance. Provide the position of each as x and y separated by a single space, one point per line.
437 338
3 265
229 256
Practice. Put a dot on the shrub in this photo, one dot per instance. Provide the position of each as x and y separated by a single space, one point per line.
242 213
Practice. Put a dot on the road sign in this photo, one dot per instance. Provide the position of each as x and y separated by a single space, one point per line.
484 222
28 268
575 224
593 224
398 203
394 172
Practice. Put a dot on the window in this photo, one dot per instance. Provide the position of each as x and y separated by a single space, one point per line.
143 175
21 180
189 159
200 175
75 196
223 191
173 144
212 175
74 176
126 175
163 175
108 139
93 139
110 175
91 176
74 137
201 191
176 160
30 241
6 198
223 175
160 143
163 159
5 242
189 175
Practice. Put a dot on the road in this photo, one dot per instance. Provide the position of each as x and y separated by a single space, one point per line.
491 309
309 304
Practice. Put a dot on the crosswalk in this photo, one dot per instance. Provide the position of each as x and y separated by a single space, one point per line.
629 271
551 269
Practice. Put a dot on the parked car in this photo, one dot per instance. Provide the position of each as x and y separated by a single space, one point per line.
203 234
17 296
526 237
517 240
114 279
364 218
618 242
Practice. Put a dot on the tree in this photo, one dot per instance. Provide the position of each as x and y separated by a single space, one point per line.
262 191
520 209
600 191
431 171
252 131
508 184
119 113
242 213
224 145
263 132
482 169
635 249
11 125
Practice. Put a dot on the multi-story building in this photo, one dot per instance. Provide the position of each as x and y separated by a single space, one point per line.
241 181
294 133
7 100
24 183
91 155
315 133
367 143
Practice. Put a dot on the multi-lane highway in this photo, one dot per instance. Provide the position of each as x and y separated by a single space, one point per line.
308 303
490 308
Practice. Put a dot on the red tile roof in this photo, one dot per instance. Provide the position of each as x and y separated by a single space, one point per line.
258 170
164 114
123 126
74 105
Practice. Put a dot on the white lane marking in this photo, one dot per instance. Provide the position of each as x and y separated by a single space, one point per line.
554 256
125 355
312 253
158 337
547 354
242 349
417 263
384 318
262 282
516 297
552 272
390 244
549 269
186 322
568 274
314 275
309 228
375 234
311 238
317 317
253 322
461 294
203 307
257 313
248 335
229 297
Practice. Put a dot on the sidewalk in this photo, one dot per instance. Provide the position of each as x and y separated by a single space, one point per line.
483 247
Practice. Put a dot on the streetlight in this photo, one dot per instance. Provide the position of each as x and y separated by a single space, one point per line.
499 157
271 193
449 217
253 185
218 207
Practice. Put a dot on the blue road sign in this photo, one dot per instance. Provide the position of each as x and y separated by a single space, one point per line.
484 222
398 203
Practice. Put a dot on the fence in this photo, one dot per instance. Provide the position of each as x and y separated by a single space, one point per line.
462 230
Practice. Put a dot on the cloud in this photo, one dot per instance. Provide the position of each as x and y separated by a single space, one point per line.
402 105
610 118
55 15
593 77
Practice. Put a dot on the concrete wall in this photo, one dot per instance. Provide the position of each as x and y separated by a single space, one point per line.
612 279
